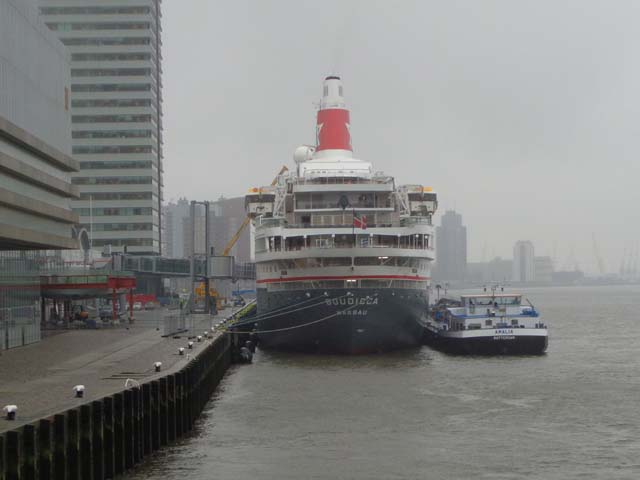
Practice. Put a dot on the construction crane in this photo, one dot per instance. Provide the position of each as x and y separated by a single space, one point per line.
596 253
213 292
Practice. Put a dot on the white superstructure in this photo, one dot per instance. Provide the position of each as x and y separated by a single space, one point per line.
334 222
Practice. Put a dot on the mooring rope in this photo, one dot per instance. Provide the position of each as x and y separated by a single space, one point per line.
271 314
294 326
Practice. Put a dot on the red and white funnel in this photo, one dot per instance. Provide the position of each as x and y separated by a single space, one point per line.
333 154
333 125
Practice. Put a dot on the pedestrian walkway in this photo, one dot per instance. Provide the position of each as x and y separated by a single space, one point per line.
39 378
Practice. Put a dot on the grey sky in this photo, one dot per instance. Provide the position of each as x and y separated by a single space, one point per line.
522 115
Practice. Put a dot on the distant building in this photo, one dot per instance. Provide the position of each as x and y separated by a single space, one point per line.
174 218
225 218
543 267
498 270
451 248
568 277
229 220
523 262
116 123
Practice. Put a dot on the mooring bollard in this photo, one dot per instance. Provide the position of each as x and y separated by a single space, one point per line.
199 338
190 345
157 366
79 391
10 411
181 351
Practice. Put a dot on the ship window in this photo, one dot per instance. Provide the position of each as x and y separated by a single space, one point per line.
488 322
514 321
367 261
337 262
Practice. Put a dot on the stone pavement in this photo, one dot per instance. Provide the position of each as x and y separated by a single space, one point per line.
39 378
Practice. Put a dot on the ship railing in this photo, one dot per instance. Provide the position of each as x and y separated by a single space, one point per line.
377 180
340 245
415 221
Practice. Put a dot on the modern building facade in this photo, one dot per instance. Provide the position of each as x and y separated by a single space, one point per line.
116 116
451 248
523 262
35 165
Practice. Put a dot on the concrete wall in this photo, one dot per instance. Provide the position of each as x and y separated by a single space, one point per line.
104 438
34 75
35 133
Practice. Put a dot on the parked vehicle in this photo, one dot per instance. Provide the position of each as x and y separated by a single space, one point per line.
106 313
149 306
137 306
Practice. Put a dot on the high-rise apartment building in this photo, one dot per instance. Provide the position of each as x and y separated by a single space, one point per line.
451 248
116 116
524 269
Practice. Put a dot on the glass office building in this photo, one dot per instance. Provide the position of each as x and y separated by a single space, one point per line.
35 165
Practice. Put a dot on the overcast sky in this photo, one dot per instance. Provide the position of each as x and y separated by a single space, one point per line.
524 116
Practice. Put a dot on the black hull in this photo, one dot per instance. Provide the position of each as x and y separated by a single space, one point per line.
520 345
342 321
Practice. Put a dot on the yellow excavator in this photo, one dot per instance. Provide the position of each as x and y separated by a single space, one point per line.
213 293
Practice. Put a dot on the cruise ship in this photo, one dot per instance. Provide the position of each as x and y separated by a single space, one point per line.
342 253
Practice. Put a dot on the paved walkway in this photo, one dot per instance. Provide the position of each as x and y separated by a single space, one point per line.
39 378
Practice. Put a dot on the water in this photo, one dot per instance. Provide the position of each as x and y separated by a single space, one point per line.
571 414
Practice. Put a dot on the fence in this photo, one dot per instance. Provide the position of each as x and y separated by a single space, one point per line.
19 326
175 320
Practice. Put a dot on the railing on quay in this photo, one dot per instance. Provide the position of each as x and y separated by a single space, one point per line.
19 326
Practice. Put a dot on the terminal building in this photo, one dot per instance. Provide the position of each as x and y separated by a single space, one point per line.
116 115
35 164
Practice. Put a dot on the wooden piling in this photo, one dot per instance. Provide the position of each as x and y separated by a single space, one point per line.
97 439
101 439
154 413
163 411
30 453
73 444
13 454
108 436
86 450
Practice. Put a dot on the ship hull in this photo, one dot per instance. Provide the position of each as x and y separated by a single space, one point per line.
489 344
342 321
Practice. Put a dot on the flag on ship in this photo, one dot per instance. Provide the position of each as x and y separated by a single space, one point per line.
360 221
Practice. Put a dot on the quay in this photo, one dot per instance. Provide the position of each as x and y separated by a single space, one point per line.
112 427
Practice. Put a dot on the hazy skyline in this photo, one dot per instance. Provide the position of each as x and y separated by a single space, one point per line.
521 115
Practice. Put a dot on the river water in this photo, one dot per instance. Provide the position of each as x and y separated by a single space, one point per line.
573 413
